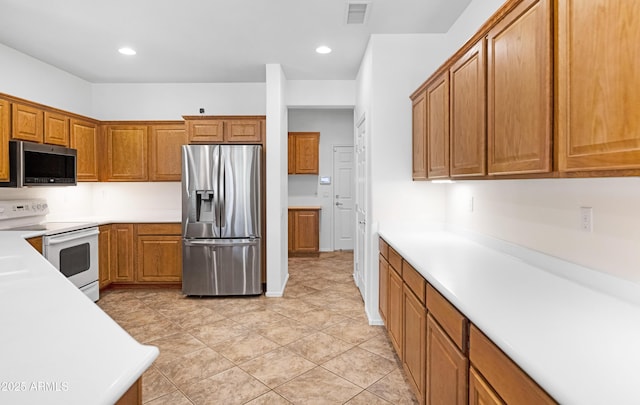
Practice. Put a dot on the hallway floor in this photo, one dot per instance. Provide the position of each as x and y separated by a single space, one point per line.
313 346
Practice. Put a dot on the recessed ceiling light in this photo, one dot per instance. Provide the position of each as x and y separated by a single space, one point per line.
323 49
127 51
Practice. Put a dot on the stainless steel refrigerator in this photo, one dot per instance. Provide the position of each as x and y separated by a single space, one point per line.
221 220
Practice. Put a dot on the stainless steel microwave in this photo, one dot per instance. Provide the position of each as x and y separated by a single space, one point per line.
34 164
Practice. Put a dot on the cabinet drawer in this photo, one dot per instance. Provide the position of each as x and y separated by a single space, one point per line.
451 320
395 260
512 384
414 280
383 248
159 229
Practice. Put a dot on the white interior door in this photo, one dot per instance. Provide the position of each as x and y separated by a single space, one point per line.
344 198
360 206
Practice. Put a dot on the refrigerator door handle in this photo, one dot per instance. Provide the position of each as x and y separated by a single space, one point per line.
221 242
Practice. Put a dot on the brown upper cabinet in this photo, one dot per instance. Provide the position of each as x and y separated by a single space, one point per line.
227 129
204 130
303 156
5 127
27 123
243 130
438 127
56 129
468 129
126 152
165 152
598 98
419 128
519 90
84 138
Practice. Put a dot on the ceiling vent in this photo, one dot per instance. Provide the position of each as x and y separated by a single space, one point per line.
357 11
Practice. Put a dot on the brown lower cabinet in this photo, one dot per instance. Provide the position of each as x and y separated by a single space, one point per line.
159 253
304 231
414 327
480 392
36 243
447 367
446 359
140 254
105 253
133 396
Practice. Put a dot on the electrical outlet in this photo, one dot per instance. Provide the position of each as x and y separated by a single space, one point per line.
586 219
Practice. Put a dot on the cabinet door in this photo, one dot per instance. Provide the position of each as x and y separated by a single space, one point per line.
415 342
438 127
27 123
4 139
105 245
468 100
205 131
419 141
505 377
394 313
56 129
307 147
306 231
84 138
520 93
242 131
122 249
383 287
292 230
598 81
291 154
159 258
126 153
447 368
36 242
480 392
165 152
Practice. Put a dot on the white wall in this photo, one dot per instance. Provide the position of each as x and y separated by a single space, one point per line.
336 129
170 101
392 68
321 93
28 78
544 215
276 146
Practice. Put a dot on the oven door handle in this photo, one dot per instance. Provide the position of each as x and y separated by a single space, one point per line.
57 241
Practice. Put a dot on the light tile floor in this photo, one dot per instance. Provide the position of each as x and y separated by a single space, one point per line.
313 346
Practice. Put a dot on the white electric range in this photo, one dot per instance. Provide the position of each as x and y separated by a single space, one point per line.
72 247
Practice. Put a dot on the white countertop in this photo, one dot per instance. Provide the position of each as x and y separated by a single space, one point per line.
56 345
574 331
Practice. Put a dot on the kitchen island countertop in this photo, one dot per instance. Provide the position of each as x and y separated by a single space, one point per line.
56 345
575 331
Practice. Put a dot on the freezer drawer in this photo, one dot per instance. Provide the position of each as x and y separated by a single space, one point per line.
221 267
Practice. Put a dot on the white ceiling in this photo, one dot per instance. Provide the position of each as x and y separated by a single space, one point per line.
209 41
